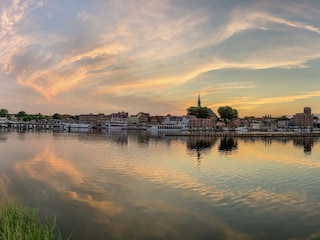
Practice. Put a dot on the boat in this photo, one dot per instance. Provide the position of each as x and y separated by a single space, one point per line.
241 129
170 125
117 124
59 126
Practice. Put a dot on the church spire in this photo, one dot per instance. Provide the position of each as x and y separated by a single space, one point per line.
199 101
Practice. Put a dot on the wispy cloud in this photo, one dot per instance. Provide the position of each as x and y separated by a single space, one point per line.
246 103
122 48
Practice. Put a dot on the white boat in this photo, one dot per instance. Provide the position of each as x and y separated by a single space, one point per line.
170 125
241 129
117 124
59 126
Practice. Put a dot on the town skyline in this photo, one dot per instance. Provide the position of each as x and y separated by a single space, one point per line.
156 56
165 114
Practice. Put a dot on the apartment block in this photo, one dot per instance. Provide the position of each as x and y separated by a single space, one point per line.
305 119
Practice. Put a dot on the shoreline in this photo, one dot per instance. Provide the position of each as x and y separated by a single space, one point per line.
242 134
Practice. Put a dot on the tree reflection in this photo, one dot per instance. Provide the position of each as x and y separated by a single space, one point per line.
200 145
228 144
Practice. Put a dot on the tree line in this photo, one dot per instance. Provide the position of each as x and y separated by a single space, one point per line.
226 114
23 116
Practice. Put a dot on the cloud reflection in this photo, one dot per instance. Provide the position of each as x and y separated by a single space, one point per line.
62 176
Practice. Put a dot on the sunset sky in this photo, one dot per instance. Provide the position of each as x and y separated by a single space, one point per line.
155 56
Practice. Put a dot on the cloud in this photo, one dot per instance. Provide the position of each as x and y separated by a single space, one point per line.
121 48
47 168
252 102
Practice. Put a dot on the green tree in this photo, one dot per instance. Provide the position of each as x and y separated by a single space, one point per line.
21 114
228 113
202 112
57 116
284 117
4 112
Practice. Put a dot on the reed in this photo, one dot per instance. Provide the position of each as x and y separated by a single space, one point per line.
22 223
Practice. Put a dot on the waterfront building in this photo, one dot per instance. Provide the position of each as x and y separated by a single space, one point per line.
168 120
305 119
94 119
283 123
256 124
201 123
140 118
3 122
119 117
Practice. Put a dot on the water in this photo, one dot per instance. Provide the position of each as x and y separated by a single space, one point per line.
132 185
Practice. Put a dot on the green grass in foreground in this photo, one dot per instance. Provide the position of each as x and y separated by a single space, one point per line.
19 223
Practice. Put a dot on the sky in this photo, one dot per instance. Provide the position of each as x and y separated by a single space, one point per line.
156 56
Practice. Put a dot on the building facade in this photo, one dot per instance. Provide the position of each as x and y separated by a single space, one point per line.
140 118
94 119
201 123
305 119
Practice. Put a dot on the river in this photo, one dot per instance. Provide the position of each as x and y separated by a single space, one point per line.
137 185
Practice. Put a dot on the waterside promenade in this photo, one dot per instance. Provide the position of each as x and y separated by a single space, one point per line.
243 134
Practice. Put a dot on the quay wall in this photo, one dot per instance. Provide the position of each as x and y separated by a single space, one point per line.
243 134
27 125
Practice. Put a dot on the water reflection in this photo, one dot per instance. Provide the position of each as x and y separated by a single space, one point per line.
305 142
57 182
118 136
135 185
3 136
200 145
139 136
228 144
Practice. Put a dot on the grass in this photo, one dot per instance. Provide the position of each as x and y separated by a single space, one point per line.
20 223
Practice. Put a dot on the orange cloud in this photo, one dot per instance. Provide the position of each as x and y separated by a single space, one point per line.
46 167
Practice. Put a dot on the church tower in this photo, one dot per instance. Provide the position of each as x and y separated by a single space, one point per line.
199 101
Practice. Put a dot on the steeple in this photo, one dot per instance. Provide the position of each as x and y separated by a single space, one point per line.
199 101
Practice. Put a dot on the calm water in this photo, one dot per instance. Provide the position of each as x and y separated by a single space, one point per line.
131 185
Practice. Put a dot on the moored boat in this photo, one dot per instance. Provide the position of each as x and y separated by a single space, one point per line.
117 124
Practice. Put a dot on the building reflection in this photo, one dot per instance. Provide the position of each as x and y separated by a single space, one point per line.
3 137
139 136
118 136
305 142
300 142
228 144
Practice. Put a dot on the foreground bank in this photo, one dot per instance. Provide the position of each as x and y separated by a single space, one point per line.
18 222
